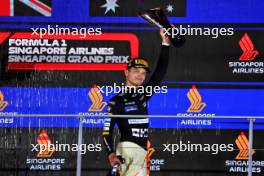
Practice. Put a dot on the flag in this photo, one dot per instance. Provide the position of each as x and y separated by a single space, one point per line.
130 8
25 7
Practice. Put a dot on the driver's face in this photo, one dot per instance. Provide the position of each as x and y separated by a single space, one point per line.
135 76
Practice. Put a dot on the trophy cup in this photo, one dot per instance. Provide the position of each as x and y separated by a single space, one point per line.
157 17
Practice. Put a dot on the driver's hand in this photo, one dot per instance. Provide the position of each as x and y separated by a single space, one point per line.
164 38
113 159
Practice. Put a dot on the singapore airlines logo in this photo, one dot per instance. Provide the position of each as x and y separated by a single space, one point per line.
45 142
196 100
242 144
97 100
151 150
247 47
246 63
3 103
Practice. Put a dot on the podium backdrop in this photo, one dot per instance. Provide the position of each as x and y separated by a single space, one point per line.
55 73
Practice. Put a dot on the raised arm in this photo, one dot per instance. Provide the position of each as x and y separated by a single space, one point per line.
162 64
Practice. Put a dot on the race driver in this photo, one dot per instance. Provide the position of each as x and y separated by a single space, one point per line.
134 131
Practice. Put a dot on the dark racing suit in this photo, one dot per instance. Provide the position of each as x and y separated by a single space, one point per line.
134 130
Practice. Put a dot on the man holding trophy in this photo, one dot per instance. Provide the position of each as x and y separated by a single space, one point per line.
131 150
